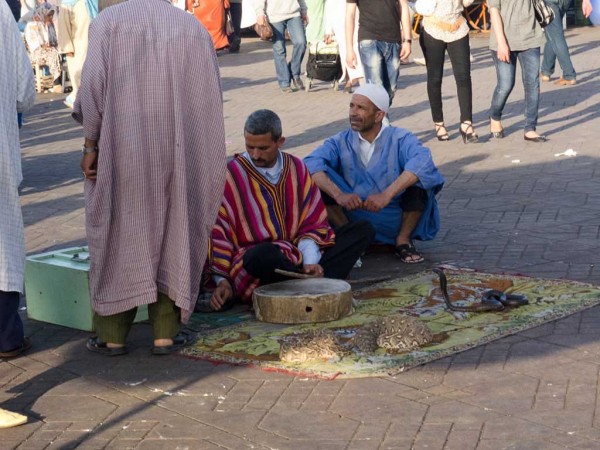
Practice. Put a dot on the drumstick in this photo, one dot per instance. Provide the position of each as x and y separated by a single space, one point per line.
298 275
369 280
303 276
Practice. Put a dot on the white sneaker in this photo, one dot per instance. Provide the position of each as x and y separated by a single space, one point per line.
419 61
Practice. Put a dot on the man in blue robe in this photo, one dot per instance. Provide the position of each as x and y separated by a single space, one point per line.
379 173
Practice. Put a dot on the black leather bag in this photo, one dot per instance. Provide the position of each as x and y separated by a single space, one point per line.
543 13
325 63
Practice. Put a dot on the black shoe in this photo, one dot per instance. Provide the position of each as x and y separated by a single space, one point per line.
234 47
298 84
540 138
468 138
26 345
94 344
183 339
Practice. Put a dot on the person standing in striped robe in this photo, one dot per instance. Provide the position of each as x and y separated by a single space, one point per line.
272 217
154 167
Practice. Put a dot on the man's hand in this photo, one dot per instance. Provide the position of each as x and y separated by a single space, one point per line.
503 52
405 50
314 270
349 201
376 202
304 16
351 59
261 20
222 293
88 165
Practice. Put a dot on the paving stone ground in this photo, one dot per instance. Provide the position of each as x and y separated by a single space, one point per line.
507 206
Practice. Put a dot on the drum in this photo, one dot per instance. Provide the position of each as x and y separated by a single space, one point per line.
303 301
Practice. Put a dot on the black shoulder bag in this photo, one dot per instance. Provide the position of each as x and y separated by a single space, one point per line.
543 13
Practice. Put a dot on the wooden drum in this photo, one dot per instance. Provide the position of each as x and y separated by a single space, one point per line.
303 301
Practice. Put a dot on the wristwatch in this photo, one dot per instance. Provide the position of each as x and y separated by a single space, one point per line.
85 150
407 40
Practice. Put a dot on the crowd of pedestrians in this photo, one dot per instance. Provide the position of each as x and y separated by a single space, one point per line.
375 44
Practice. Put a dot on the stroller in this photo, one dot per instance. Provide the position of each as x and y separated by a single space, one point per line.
323 64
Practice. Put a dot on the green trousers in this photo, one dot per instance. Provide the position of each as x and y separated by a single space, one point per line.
165 319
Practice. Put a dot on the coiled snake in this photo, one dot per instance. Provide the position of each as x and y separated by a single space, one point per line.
491 300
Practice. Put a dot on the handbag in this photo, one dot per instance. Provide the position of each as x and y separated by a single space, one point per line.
543 13
265 32
228 23
445 26
425 7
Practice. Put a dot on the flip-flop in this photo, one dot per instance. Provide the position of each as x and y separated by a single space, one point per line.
94 344
183 339
26 345
406 251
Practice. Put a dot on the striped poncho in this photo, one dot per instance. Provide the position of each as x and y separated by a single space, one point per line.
255 211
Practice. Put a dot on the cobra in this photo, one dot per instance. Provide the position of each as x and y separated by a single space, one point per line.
491 300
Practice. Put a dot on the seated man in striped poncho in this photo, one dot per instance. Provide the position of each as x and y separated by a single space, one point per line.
272 217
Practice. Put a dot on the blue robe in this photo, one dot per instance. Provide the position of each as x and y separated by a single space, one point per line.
396 150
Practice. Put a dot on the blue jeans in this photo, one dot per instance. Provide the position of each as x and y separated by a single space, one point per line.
295 28
556 45
11 325
530 72
381 63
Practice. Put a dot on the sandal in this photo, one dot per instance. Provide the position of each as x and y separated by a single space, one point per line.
183 339
468 138
94 344
26 345
443 136
496 134
408 254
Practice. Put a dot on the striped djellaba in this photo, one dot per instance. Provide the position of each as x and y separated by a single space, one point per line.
255 211
150 95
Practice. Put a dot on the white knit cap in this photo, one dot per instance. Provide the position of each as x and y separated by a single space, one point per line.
377 94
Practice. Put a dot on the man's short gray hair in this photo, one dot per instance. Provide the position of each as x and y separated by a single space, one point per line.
264 121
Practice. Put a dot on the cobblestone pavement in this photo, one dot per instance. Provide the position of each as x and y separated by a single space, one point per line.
507 206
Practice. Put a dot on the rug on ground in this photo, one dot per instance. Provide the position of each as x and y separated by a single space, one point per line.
236 337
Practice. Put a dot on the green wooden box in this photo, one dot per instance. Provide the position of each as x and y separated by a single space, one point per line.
58 291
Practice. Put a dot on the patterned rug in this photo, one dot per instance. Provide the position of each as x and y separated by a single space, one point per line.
236 337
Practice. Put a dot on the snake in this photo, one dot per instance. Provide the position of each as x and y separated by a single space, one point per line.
396 333
491 300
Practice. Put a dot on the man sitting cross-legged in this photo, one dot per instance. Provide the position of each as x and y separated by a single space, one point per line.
381 174
272 217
